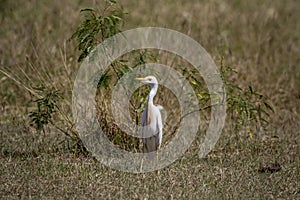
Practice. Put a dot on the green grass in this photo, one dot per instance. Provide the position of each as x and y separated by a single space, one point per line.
260 39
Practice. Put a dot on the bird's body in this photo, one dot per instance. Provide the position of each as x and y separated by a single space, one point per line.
151 119
151 123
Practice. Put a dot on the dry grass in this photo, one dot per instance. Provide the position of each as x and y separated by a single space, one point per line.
258 38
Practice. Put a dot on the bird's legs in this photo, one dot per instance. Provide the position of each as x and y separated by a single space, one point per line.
141 167
158 171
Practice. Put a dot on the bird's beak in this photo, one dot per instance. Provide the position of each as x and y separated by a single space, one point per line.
140 79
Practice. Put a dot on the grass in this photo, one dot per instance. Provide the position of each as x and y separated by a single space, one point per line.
230 171
260 39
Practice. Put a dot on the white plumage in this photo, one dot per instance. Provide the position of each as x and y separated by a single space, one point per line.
151 119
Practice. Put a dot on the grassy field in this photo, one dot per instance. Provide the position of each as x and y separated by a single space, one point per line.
260 39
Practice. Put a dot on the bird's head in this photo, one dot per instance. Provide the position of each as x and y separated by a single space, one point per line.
148 80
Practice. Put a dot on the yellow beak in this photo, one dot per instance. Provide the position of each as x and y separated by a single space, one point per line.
140 79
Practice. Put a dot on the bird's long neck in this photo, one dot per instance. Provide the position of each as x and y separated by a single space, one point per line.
152 94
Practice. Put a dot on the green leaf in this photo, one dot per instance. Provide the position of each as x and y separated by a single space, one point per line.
116 18
112 1
251 89
269 106
87 10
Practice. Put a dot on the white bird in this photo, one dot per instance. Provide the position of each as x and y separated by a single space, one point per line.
151 119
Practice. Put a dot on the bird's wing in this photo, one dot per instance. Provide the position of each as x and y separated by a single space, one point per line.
159 127
160 107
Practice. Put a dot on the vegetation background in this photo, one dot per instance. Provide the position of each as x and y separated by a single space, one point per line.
259 39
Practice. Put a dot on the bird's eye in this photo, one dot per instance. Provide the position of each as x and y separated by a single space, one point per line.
149 79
